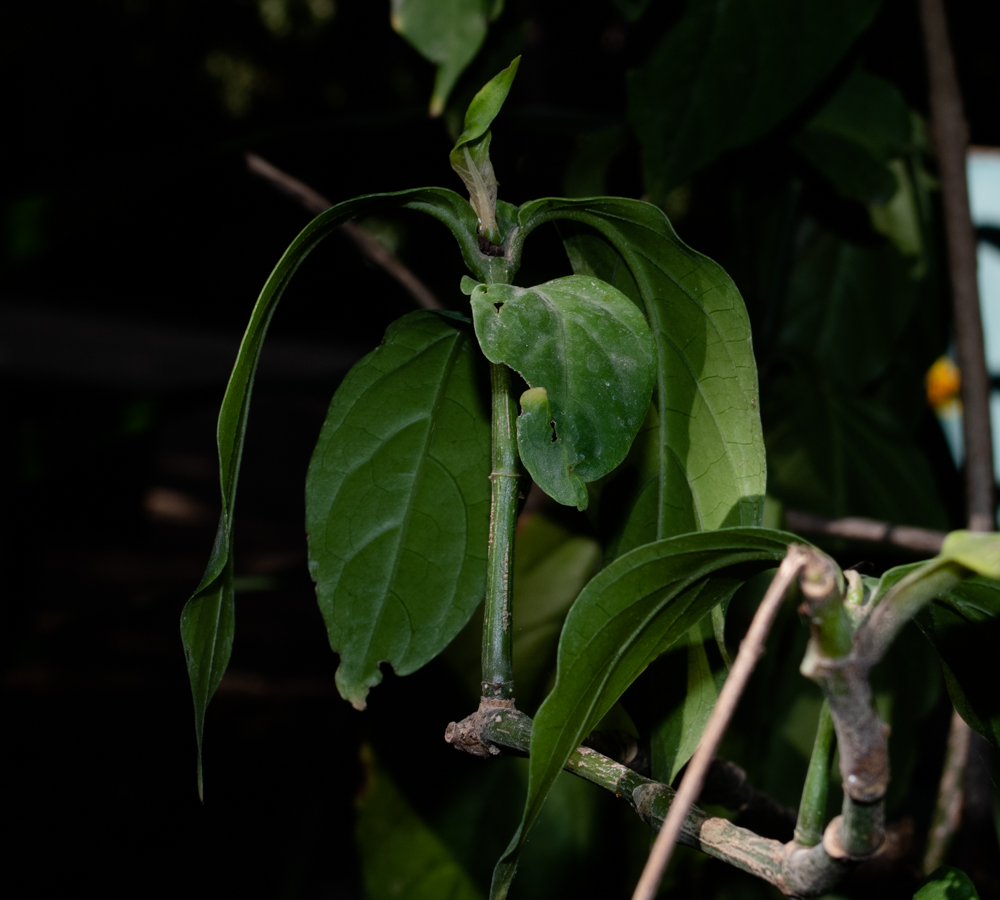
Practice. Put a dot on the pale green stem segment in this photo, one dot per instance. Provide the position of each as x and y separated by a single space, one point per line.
809 827
498 670
796 871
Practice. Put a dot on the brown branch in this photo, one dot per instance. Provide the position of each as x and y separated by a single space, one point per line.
950 134
315 203
691 784
919 540
951 139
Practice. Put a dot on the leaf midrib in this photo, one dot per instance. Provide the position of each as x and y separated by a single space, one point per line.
453 353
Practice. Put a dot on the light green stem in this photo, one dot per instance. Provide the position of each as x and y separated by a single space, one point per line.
498 670
812 808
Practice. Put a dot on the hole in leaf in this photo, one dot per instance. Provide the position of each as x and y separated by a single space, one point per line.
552 425
498 305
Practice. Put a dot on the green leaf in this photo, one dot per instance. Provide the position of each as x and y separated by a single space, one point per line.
674 739
837 454
551 566
207 627
626 617
401 857
964 627
846 294
470 157
207 621
397 501
905 591
588 355
448 33
698 463
947 883
855 136
978 552
728 73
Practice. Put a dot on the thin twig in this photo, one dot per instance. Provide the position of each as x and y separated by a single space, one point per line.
919 540
750 651
315 203
948 813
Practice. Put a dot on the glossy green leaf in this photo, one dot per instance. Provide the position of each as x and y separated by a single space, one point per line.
207 621
699 458
449 33
470 157
964 627
397 501
627 616
586 352
947 883
728 73
401 857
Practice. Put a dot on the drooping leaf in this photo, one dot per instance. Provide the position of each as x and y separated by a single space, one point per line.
728 73
586 352
207 627
626 617
699 460
400 855
947 883
964 627
207 622
397 501
470 157
449 33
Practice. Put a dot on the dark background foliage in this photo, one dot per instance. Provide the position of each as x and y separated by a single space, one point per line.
133 245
